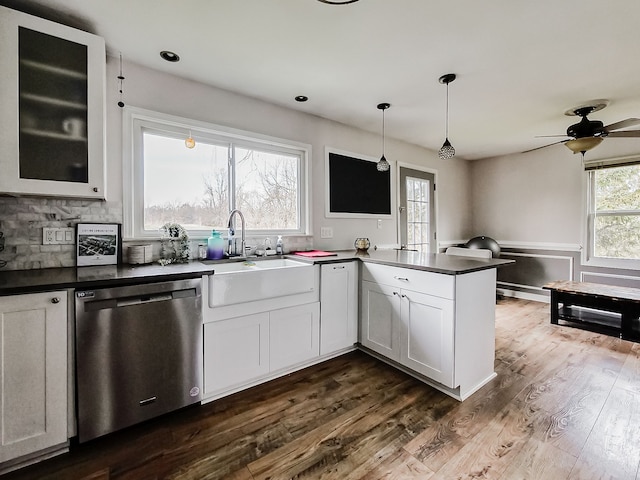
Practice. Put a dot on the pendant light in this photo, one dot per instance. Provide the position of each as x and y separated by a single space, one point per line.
447 150
189 141
383 165
120 80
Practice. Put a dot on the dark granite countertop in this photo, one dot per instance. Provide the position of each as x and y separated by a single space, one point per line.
46 279
433 262
26 281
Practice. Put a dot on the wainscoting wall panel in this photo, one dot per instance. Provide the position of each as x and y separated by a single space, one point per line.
535 267
537 264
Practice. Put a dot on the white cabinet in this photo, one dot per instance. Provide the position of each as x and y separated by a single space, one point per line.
411 328
380 319
53 108
426 333
236 351
436 325
294 335
33 375
247 350
338 306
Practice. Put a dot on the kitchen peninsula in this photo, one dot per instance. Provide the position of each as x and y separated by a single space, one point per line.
431 315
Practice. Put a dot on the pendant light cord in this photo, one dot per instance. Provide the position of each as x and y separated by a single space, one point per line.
120 81
383 132
446 128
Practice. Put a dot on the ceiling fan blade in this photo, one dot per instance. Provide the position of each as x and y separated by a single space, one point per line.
545 146
625 133
629 122
549 136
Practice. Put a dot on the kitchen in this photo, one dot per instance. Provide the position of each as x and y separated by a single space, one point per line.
469 198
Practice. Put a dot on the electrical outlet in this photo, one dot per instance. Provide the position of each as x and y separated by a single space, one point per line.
326 232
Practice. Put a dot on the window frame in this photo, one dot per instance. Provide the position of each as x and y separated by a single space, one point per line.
590 178
137 120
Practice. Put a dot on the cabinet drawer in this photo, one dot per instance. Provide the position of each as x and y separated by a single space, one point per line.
436 284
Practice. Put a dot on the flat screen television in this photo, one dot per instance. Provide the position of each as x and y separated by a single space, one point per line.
356 187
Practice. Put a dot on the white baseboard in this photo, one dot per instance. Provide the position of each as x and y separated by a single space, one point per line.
522 295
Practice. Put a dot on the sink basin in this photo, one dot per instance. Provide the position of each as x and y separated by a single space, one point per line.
252 266
249 281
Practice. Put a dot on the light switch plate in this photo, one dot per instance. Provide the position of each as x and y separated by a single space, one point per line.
58 236
326 232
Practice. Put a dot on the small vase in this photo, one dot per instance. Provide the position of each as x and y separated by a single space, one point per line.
362 244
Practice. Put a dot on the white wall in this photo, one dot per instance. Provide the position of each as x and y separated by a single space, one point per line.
536 197
533 197
154 90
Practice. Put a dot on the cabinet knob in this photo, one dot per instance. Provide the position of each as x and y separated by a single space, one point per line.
396 293
55 300
96 189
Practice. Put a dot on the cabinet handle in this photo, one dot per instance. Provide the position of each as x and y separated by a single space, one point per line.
403 296
396 293
55 300
338 268
404 279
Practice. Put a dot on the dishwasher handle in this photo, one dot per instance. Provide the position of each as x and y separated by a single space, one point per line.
143 299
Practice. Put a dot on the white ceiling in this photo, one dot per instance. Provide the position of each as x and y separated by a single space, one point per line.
520 65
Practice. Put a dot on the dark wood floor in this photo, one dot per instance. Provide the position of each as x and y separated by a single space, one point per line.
565 405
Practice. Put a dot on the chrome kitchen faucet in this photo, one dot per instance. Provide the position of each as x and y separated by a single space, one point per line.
232 249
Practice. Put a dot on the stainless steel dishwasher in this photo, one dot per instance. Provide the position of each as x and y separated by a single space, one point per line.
138 353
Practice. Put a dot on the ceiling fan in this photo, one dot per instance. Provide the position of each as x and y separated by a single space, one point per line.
588 134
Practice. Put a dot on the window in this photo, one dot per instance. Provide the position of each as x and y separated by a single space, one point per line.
614 215
418 235
166 182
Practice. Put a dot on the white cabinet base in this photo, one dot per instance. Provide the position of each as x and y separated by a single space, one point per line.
294 335
458 393
236 351
33 377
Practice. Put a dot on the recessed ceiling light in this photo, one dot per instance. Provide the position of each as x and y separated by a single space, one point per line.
301 98
338 2
169 56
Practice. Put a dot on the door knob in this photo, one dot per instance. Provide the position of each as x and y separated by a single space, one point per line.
55 300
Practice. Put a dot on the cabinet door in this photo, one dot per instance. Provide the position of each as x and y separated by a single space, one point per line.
338 306
236 351
52 120
379 319
294 335
427 325
33 383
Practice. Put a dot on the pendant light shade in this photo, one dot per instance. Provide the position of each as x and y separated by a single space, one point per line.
383 165
447 150
189 142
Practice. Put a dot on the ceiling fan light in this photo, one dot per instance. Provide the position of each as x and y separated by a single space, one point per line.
446 151
583 144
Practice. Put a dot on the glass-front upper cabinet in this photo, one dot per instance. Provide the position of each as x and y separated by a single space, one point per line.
53 105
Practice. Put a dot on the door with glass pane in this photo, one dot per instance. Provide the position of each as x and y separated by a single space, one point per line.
417 210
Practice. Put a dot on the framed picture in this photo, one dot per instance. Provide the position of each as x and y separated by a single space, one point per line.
98 244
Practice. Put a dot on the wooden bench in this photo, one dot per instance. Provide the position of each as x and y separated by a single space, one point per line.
604 308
